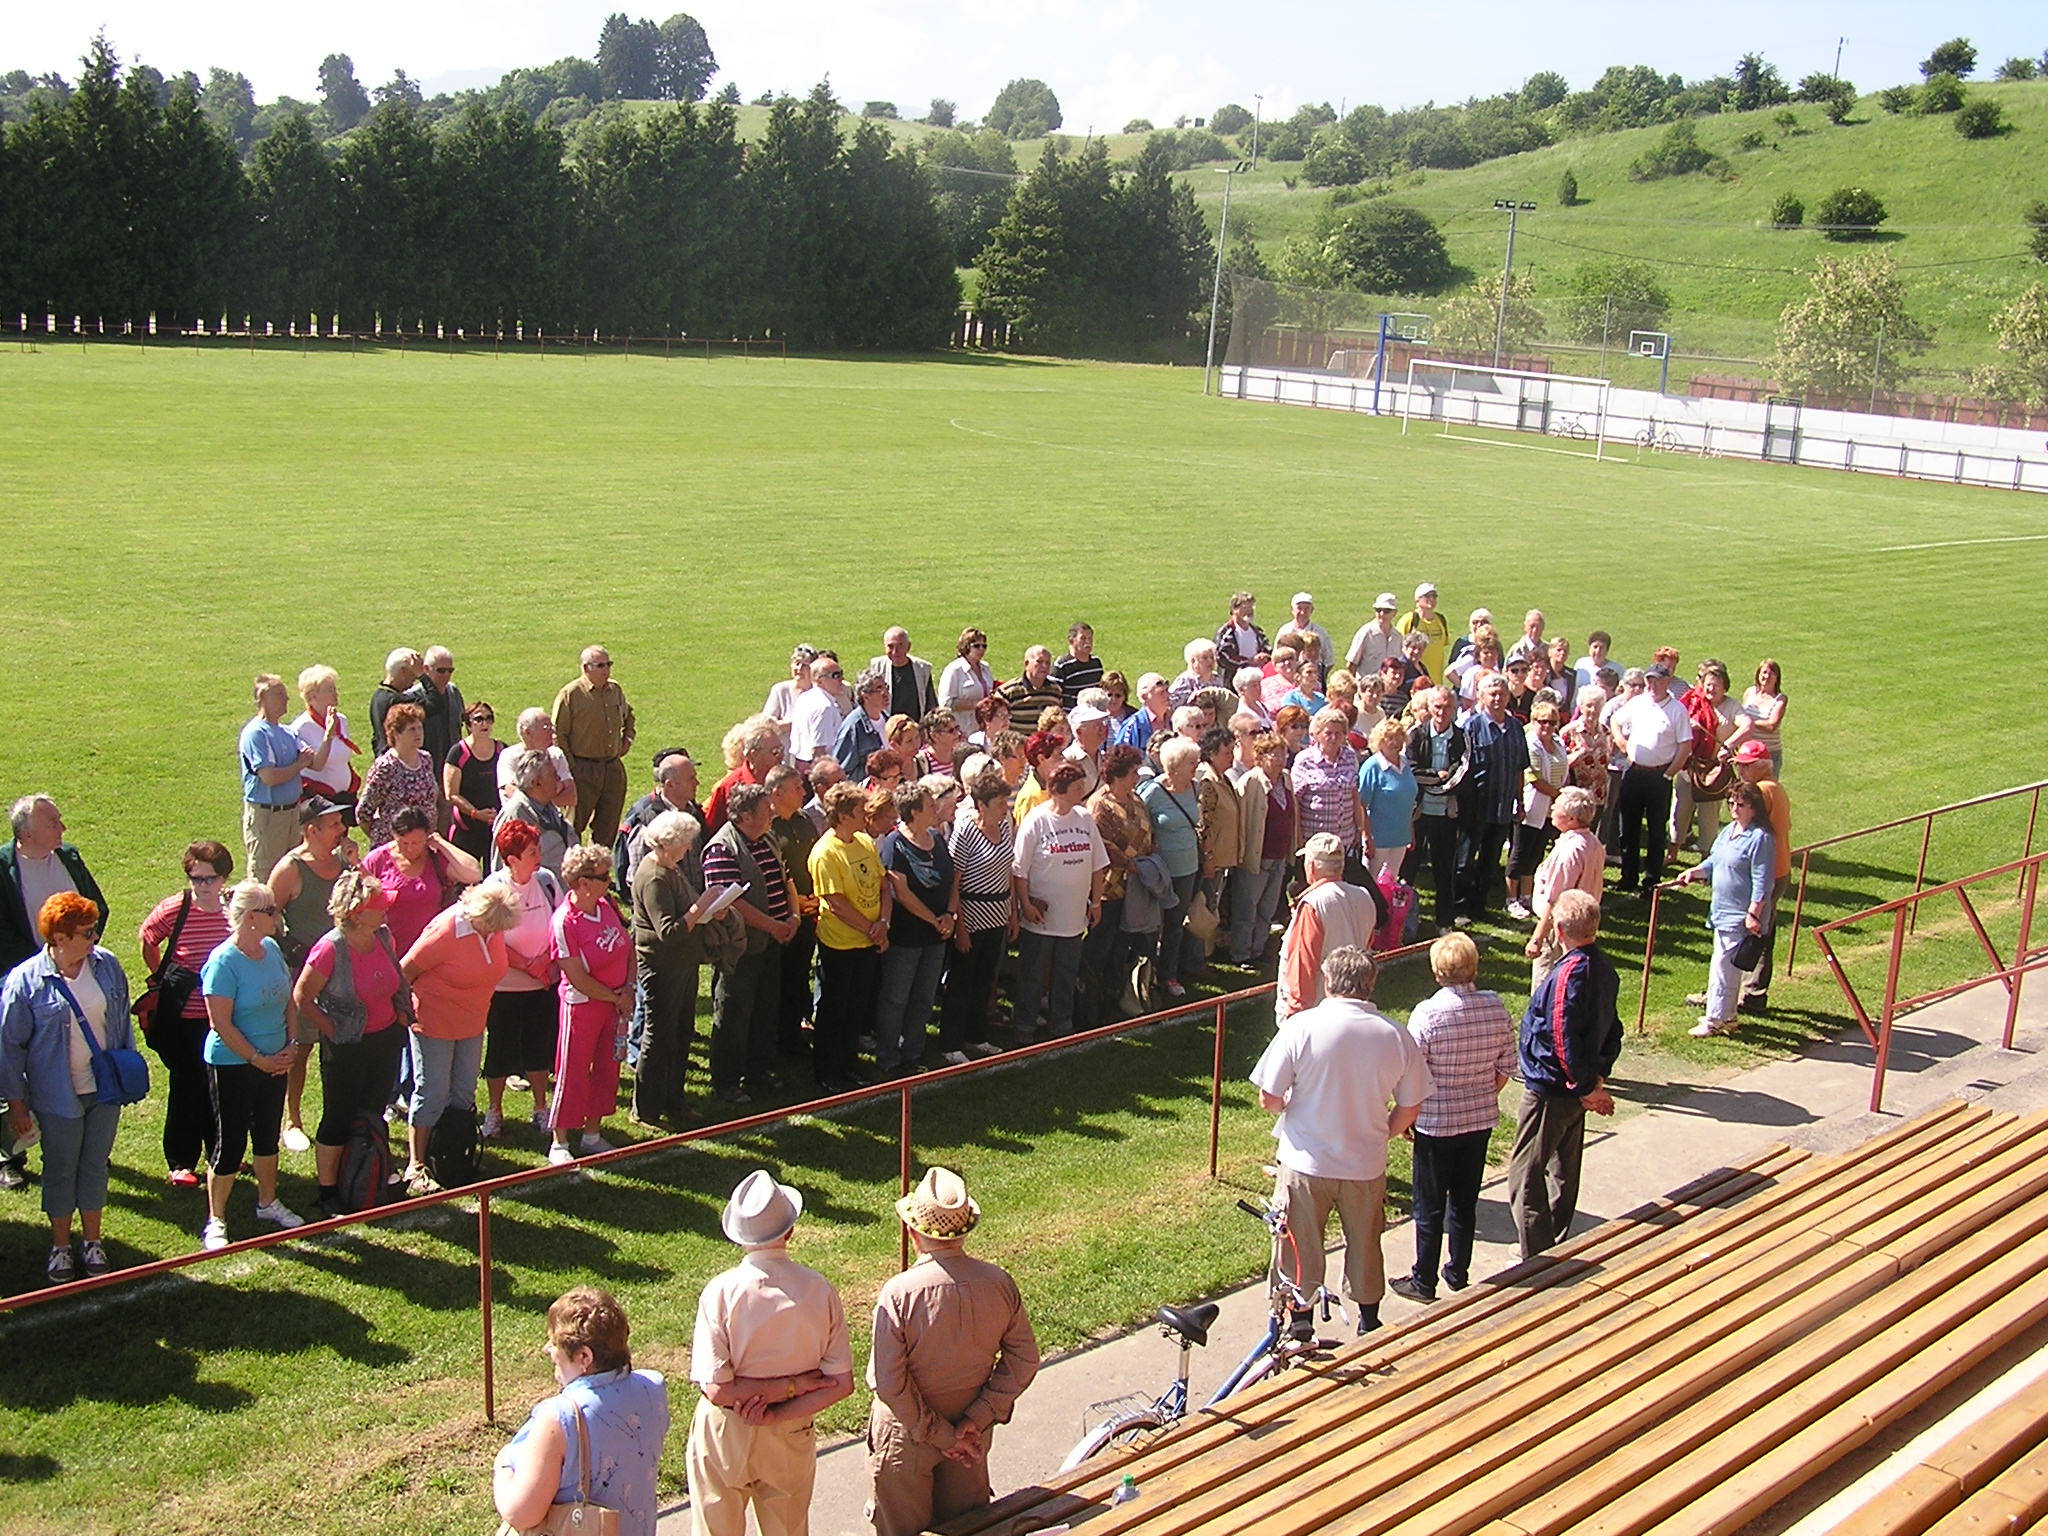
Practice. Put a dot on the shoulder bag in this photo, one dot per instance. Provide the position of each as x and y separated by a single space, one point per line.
580 1518
170 985
120 1075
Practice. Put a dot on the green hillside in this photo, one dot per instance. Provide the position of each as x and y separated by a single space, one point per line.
1954 209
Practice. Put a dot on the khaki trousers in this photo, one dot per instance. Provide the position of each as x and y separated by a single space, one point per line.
1360 1205
915 1487
733 1464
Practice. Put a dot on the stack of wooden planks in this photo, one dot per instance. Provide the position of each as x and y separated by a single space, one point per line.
1690 1367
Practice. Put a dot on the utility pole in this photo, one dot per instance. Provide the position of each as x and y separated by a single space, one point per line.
1500 318
1258 110
1838 56
1230 173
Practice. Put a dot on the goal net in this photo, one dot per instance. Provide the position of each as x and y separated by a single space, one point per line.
1475 403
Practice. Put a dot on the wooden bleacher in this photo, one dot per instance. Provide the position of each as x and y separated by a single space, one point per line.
1690 1367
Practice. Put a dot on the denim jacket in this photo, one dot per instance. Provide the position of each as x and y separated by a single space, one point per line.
35 1024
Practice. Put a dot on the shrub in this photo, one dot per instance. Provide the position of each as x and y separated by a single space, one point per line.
1788 212
1787 121
1568 191
1941 93
1229 118
1957 56
1332 162
885 109
1980 119
2036 219
1754 139
2018 69
1899 98
1138 125
1849 213
1390 248
1678 153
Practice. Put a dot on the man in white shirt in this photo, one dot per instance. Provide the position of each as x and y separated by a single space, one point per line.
1344 1081
1304 622
814 722
1376 640
1652 730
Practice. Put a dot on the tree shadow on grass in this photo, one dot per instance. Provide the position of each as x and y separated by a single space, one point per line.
35 1468
151 1347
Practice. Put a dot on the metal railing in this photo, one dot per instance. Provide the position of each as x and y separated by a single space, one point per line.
2026 957
484 1190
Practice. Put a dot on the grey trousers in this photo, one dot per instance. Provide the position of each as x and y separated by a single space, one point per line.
1543 1172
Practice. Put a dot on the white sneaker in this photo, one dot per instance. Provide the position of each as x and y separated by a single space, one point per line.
296 1140
559 1153
1519 911
1709 1027
954 1058
214 1235
592 1145
493 1122
278 1214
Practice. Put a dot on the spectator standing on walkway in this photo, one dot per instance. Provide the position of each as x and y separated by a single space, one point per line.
769 1354
1467 1038
594 724
953 1351
1570 1039
1331 914
1344 1080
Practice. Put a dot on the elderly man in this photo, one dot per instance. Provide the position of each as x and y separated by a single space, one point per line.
675 789
1091 733
1653 732
909 677
1467 1039
1080 668
531 800
795 835
1377 640
860 733
537 734
746 1000
1439 756
1344 1080
1570 1039
760 750
815 718
1491 801
273 759
1034 692
1240 642
595 726
402 669
1576 862
953 1351
441 702
1155 711
1303 623
769 1354
1331 913
1531 643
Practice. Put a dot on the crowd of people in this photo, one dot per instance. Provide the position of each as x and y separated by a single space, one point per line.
885 855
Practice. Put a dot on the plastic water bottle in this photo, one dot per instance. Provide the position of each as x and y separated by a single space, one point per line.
1126 1491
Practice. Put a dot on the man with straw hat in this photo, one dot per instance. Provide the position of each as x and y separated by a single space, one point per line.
952 1352
770 1353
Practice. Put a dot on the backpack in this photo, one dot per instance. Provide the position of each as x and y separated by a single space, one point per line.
364 1179
451 1147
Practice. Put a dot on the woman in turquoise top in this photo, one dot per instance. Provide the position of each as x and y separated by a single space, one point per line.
1176 811
625 1418
248 1053
1386 783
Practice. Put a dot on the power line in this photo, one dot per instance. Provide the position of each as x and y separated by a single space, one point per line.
1719 266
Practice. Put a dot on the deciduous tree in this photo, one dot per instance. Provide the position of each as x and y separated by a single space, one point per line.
1025 109
1828 341
342 96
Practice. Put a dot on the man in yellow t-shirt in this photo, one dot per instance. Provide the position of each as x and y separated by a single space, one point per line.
1423 617
853 930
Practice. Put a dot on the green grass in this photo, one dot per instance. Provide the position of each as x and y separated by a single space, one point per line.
1954 210
183 518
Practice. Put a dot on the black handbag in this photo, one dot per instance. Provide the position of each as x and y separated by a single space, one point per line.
1747 952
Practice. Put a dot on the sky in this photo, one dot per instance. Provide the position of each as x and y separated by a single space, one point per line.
1107 60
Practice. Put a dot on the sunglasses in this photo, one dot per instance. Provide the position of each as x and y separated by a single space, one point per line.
203 879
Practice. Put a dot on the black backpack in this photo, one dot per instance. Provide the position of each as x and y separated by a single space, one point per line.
364 1180
451 1147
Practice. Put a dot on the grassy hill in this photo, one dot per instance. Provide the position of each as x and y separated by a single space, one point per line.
1954 215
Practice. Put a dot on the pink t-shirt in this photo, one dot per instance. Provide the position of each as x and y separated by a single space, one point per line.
416 898
376 979
601 943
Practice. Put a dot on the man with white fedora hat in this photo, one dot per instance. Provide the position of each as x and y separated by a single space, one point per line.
769 1354
953 1350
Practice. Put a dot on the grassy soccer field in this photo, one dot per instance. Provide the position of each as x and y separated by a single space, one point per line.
178 520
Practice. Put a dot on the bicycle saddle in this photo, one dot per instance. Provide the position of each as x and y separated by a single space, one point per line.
1191 1323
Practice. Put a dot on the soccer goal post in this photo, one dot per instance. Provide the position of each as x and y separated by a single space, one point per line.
1470 398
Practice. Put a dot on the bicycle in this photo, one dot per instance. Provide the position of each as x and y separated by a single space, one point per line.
1289 1338
1571 427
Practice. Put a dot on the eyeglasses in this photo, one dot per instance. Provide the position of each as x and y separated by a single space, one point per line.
203 879
483 719
600 666
830 677
977 645
444 671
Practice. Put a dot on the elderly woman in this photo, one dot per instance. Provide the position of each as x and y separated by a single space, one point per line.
248 1051
1175 811
454 968
924 913
1222 838
782 698
1742 865
622 1414
300 884
1249 683
1587 746
1269 820
1388 792
322 727
469 781
177 936
667 904
982 845
967 681
522 1024
349 991
854 898
1576 862
404 775
1200 656
1325 779
53 1007
1059 864
861 732
1290 724
1541 781
421 871
991 719
594 951
535 783
1125 828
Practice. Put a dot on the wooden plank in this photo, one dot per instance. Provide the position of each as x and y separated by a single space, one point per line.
2007 1434
2015 1500
1906 1506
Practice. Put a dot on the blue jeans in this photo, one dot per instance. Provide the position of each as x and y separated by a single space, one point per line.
1036 953
1254 898
443 1073
903 1016
75 1153
1179 950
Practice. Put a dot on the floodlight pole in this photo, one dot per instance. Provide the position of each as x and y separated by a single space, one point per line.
1500 318
1229 173
1258 110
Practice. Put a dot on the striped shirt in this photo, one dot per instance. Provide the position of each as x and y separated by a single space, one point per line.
722 867
984 869
1468 1039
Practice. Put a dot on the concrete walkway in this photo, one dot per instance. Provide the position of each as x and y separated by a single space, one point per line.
1817 1100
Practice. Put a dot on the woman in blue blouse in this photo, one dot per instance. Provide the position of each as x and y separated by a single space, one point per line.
1743 866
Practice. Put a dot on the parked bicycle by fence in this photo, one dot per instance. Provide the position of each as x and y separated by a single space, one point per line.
1290 1337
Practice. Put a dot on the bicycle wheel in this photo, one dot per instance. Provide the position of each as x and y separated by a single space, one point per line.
1121 1430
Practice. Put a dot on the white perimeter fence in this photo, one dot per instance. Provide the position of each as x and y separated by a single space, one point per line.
1778 431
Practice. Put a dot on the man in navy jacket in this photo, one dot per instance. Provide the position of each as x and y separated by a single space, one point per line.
1571 1036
